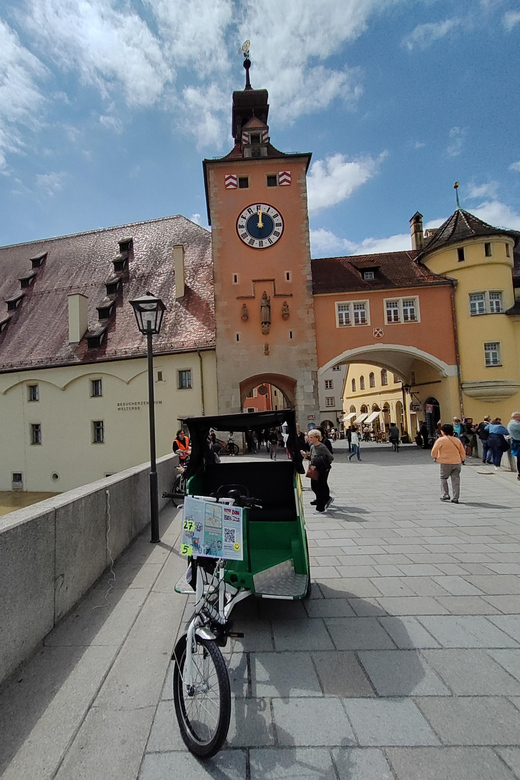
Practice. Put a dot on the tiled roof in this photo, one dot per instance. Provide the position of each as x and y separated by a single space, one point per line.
37 334
460 226
394 269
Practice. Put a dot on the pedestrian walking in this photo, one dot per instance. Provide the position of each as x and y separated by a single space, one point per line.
348 434
513 427
272 443
497 443
355 438
483 434
393 436
321 458
449 453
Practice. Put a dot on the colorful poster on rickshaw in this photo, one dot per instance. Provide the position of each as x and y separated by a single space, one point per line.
211 529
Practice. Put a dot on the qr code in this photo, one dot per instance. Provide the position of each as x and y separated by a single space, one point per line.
229 535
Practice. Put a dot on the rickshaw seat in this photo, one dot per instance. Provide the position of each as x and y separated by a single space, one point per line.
273 483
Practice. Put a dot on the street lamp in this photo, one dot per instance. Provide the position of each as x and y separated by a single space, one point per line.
149 312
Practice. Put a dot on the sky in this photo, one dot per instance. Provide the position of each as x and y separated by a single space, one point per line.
107 108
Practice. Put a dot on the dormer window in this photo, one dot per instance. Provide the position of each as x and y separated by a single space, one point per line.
255 138
105 308
126 245
39 260
4 323
120 262
14 301
368 276
27 280
96 336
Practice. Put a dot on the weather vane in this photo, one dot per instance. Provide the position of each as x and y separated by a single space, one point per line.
456 188
244 49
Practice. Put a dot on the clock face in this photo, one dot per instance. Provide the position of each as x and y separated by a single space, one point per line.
260 226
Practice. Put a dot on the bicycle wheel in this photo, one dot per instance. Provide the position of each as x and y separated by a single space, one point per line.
178 487
233 448
203 712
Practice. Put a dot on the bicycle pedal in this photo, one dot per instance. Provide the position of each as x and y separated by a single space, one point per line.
236 634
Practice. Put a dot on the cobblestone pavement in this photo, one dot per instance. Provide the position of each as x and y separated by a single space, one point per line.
403 664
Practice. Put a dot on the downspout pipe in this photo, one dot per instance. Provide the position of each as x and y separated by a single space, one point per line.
201 383
457 353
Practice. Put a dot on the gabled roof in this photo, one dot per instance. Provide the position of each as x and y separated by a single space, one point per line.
37 335
459 227
394 269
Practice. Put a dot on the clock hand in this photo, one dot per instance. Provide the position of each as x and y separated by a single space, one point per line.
260 223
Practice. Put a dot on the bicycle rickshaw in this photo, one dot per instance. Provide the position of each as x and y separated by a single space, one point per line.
244 534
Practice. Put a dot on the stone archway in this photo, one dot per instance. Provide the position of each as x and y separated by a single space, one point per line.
285 384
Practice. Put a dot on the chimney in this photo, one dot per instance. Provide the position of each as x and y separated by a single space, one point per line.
416 229
78 317
178 266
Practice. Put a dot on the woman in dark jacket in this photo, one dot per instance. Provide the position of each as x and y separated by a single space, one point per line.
320 457
496 441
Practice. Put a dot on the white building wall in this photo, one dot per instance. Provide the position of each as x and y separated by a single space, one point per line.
67 456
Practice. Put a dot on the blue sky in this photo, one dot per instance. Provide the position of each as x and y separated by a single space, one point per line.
107 108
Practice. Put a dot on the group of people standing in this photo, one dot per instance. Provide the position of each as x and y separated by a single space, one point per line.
455 443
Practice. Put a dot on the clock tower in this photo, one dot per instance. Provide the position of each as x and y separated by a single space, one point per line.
257 208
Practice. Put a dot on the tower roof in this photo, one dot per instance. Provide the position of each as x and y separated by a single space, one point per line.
459 227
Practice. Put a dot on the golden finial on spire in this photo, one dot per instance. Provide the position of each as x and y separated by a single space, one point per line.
456 188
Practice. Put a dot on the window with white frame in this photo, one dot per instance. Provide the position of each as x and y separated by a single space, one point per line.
329 400
328 384
492 353
33 393
36 433
402 310
485 302
384 376
352 313
96 388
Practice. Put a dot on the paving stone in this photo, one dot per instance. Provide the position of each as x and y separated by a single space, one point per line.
229 764
473 672
504 568
331 608
458 763
466 631
251 723
467 605
312 722
458 586
472 720
351 586
508 604
408 633
283 674
496 584
426 586
341 674
301 635
511 755
366 607
392 586
419 570
401 673
320 573
508 623
412 605
165 734
361 764
510 660
288 763
382 722
357 571
359 633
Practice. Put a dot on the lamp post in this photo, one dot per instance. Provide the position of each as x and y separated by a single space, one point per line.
149 312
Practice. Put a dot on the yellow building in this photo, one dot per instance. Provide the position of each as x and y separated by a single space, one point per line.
374 397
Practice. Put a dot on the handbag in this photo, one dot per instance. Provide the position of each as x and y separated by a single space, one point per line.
504 444
312 472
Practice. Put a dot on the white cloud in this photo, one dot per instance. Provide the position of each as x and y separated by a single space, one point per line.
21 99
515 166
51 183
487 189
109 48
197 218
333 180
457 137
425 34
202 112
324 243
497 214
511 19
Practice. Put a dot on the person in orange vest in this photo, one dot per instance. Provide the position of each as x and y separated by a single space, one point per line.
181 445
